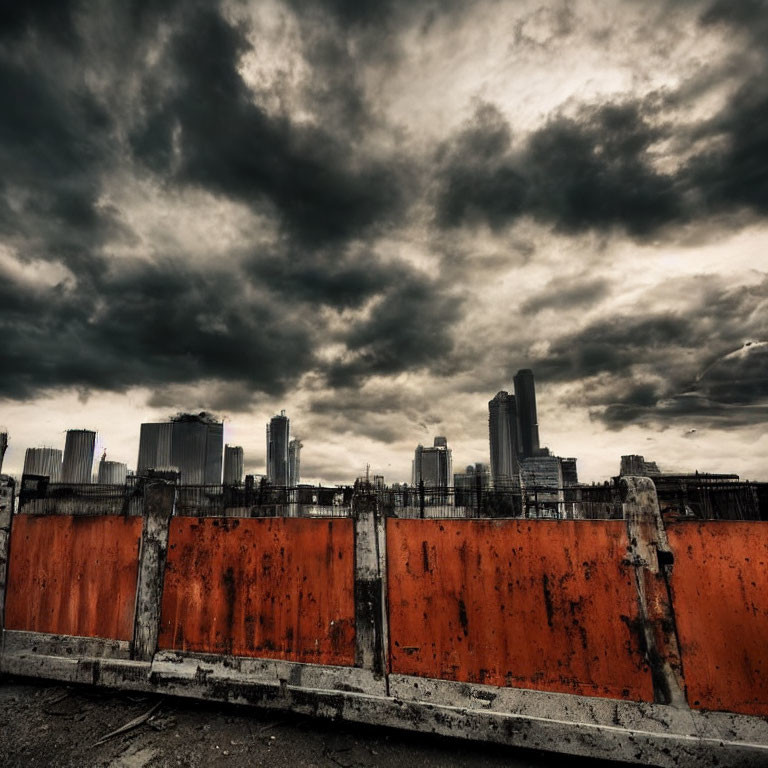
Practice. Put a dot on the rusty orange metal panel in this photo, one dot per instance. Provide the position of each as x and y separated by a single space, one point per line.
549 605
720 596
73 575
278 588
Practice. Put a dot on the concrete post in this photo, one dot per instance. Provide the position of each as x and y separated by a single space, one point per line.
6 514
652 559
370 584
159 504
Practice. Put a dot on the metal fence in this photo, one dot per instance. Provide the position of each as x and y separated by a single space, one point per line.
584 502
679 496
701 498
263 501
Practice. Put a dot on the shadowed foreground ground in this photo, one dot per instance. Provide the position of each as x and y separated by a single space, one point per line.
43 724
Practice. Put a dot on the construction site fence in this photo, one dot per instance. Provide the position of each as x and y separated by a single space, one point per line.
369 600
679 496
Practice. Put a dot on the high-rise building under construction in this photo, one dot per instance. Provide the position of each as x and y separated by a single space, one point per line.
525 395
190 444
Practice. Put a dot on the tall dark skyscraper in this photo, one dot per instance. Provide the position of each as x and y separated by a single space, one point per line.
525 394
278 438
190 444
503 434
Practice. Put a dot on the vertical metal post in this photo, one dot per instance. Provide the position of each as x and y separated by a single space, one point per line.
370 584
6 515
652 559
421 499
159 504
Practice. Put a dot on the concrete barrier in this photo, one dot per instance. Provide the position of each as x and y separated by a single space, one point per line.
593 638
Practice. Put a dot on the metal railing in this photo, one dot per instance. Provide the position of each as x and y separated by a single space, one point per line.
263 501
681 497
578 502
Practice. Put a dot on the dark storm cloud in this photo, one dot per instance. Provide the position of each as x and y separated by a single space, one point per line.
597 170
409 329
51 17
151 326
576 174
202 126
93 90
682 364
196 124
54 146
332 278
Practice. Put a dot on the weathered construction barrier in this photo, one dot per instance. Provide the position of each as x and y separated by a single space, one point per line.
719 593
543 604
622 639
274 588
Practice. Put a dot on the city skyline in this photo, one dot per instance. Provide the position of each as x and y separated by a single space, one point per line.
373 214
512 460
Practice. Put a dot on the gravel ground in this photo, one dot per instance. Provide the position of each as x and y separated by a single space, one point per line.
44 724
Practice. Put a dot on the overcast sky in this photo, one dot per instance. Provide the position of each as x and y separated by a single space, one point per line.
372 214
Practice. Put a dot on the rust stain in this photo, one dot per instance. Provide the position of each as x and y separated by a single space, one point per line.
73 575
537 604
719 589
278 588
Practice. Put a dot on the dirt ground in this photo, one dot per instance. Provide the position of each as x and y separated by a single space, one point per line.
44 724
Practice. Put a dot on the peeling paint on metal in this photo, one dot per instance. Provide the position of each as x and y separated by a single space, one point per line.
539 604
73 575
719 587
279 588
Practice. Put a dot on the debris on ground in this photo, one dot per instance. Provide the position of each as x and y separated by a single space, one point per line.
186 733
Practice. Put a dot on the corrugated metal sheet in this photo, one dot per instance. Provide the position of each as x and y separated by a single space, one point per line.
73 575
539 604
275 588
43 461
112 473
720 596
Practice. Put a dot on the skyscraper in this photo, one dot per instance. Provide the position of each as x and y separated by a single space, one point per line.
503 434
294 462
433 466
233 465
190 444
79 446
525 394
278 437
43 461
